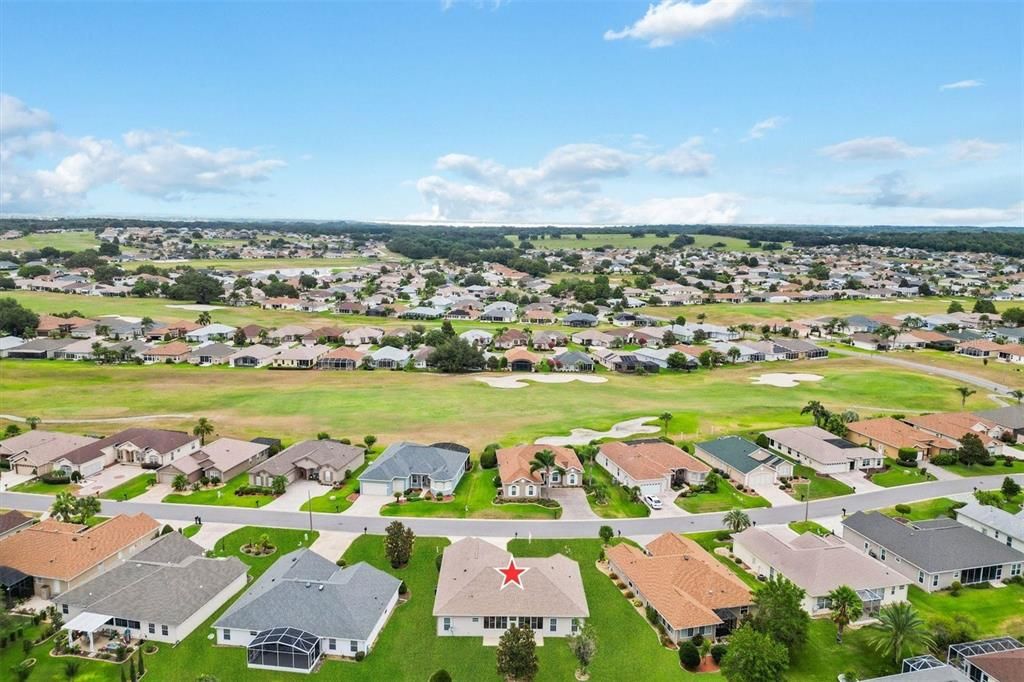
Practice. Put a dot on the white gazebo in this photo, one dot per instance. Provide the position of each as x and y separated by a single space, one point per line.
88 623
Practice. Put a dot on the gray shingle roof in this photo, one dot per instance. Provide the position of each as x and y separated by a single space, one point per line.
172 548
402 459
338 456
1010 417
934 546
306 591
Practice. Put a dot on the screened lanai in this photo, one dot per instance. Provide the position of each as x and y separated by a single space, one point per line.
284 649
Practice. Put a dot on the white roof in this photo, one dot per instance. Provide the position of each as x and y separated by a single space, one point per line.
212 330
86 622
994 517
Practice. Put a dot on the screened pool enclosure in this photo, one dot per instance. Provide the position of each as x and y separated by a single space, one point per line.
284 649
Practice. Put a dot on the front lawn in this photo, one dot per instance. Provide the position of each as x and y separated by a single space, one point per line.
997 610
618 503
40 487
189 531
336 500
896 475
821 486
474 498
221 497
998 469
802 527
924 510
130 488
723 499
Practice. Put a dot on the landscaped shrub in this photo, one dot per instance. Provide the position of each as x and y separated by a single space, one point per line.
718 653
166 529
360 655
403 588
955 587
903 509
151 465
441 676
762 441
437 561
689 656
489 457
606 533
55 478
698 640
944 460
652 615
723 536
629 594
619 584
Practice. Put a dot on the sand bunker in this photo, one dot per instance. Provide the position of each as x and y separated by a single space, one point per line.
519 380
784 380
624 429
198 307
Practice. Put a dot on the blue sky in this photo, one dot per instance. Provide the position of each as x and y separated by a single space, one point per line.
721 111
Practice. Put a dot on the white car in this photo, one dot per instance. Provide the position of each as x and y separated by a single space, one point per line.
652 501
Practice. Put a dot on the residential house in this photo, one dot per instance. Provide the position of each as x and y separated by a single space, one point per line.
955 425
343 357
59 556
580 320
1010 418
162 593
934 554
572 361
174 352
888 436
214 353
690 591
593 337
819 564
473 599
223 459
33 452
744 462
518 480
511 338
408 466
305 607
38 349
362 335
257 355
823 451
388 357
522 360
13 521
289 333
500 311
299 357
131 446
797 349
652 465
993 521
326 461
549 339
211 332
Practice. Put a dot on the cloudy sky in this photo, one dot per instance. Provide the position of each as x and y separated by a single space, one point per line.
791 111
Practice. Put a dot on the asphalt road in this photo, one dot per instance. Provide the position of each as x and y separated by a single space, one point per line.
925 369
541 528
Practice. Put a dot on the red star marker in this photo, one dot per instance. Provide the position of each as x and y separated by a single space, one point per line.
512 574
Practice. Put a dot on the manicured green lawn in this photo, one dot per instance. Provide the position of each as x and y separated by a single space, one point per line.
897 475
336 500
619 503
821 659
189 531
709 541
72 240
924 510
473 499
802 527
131 488
724 499
47 668
39 487
225 498
996 470
821 486
998 611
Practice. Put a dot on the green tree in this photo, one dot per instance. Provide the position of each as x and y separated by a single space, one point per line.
779 613
737 520
1010 488
517 654
984 306
899 632
965 393
689 655
203 428
584 647
954 307
16 319
86 508
817 412
606 533
846 608
64 507
195 286
71 669
972 451
1018 394
398 543
369 441
456 355
33 422
544 461
278 485
754 656
665 418
678 361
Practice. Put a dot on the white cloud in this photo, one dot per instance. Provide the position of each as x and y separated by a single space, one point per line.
863 148
975 149
708 208
1014 215
687 159
761 127
961 85
450 199
151 163
885 190
673 20
17 117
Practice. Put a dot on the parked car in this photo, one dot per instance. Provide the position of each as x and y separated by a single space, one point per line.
652 501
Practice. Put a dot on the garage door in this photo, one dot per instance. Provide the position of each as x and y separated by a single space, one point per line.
650 488
91 468
371 488
758 479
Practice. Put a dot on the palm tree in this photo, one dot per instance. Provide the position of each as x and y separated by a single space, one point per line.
900 629
180 482
86 508
734 354
965 393
1018 394
737 520
846 608
204 318
33 422
816 410
203 428
545 459
665 418
63 507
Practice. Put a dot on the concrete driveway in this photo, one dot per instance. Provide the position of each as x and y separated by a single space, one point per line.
777 497
368 505
108 478
669 508
574 502
155 493
332 544
858 481
9 479
296 495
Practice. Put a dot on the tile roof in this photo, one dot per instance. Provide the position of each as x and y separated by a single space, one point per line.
682 582
514 462
897 434
469 585
40 447
644 460
956 425
51 549
160 440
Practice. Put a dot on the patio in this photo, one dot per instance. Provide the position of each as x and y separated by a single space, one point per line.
93 633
